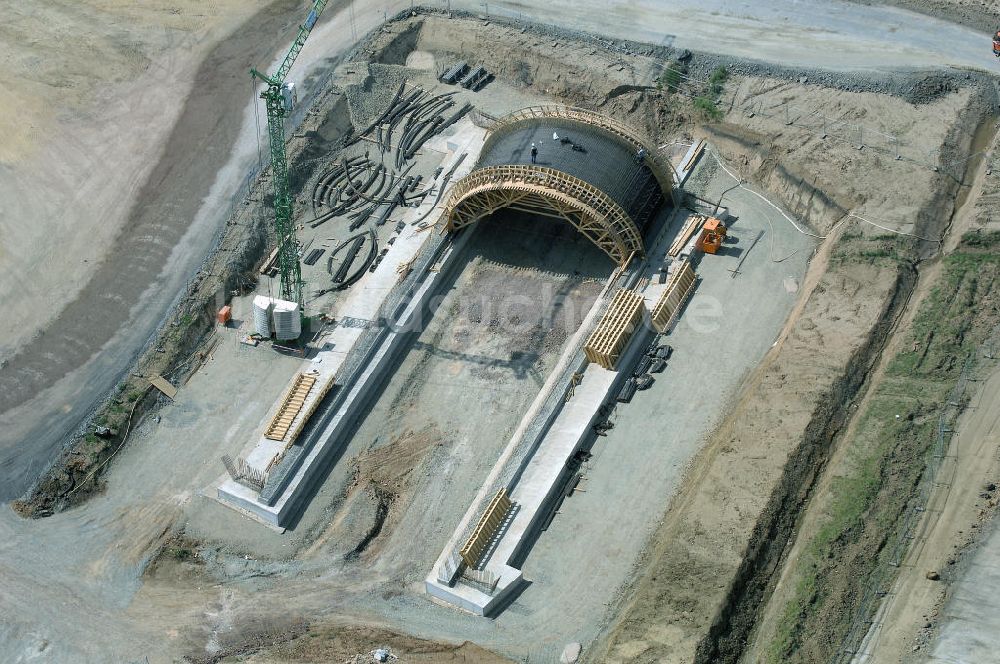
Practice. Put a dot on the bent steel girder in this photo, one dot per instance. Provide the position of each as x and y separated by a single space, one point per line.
549 192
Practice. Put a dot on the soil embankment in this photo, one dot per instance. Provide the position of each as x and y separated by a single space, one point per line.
712 562
883 473
716 547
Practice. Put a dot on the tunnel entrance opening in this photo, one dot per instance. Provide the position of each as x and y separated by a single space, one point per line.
567 164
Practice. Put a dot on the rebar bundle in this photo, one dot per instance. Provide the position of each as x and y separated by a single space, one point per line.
244 473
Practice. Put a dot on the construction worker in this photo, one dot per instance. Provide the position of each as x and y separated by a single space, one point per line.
534 153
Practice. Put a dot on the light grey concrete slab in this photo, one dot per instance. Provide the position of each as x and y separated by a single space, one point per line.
970 632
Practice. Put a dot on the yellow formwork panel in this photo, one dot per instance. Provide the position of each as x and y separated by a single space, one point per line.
623 317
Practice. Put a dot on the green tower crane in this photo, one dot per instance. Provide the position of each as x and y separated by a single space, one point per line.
278 99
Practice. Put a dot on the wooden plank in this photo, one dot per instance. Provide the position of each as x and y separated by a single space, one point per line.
486 528
678 288
687 231
321 393
694 156
269 264
160 383
539 189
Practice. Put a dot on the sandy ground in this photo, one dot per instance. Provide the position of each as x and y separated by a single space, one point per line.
826 123
912 602
913 610
353 645
106 107
785 584
102 552
700 544
702 541
51 384
83 125
78 574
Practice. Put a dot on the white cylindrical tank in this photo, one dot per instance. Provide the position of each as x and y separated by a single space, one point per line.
287 321
262 306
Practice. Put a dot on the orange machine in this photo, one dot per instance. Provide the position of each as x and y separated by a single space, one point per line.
996 44
712 235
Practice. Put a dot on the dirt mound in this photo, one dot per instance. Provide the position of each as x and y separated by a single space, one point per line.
388 468
381 477
354 644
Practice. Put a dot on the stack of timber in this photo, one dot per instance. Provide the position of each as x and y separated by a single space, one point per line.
693 223
621 320
290 407
678 289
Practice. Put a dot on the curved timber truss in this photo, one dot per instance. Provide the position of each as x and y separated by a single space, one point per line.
661 170
545 191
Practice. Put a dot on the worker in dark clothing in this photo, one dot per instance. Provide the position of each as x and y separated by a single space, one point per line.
534 153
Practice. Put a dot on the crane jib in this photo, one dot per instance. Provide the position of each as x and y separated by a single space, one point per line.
311 20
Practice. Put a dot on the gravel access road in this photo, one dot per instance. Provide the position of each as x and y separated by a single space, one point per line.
799 33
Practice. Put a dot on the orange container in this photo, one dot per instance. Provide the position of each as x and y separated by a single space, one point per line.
225 313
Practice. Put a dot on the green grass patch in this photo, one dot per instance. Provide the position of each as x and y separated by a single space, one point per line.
883 249
707 108
670 79
981 240
717 80
944 329
179 553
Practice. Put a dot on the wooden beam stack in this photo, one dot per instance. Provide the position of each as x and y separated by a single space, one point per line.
678 289
621 320
693 223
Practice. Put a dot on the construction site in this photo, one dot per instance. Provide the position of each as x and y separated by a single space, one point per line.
511 332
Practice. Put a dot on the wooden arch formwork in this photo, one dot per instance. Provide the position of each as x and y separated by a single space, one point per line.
548 192
662 169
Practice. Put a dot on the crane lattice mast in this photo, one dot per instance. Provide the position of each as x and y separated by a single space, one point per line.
278 104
